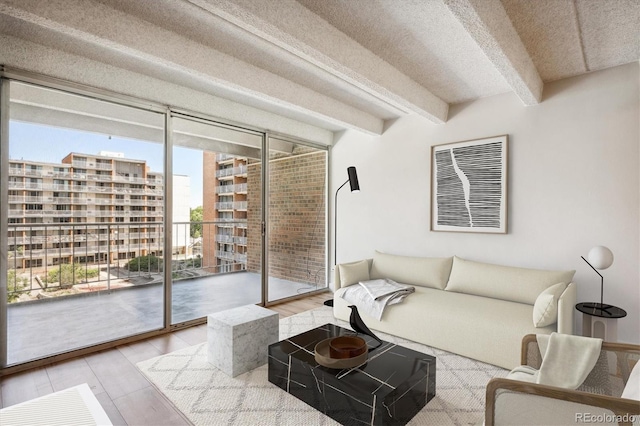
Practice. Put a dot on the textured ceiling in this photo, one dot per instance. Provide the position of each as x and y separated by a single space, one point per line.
338 64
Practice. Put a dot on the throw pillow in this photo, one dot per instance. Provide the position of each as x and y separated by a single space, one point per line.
353 273
545 309
632 389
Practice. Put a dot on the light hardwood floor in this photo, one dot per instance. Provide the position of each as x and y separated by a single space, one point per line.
124 393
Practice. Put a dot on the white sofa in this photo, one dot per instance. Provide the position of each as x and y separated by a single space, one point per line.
478 310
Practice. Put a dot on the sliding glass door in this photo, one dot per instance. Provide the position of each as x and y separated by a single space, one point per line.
85 222
297 219
121 218
217 216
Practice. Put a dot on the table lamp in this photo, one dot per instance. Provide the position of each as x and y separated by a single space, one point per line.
601 258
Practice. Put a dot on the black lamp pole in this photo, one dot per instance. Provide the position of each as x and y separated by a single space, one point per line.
355 186
602 306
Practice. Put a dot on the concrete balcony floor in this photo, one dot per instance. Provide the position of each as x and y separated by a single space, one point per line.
57 325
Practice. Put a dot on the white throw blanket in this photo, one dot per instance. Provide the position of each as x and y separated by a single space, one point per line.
566 361
372 297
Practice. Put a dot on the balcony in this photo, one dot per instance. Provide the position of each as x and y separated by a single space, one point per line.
17 199
32 172
230 189
224 172
104 165
109 299
224 157
59 174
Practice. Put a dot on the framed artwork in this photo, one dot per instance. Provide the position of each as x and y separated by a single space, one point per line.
469 186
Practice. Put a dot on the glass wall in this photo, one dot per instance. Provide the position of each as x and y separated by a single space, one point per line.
297 219
85 222
106 213
217 250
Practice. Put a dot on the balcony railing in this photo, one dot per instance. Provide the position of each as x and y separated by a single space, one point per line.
231 171
104 166
229 189
50 257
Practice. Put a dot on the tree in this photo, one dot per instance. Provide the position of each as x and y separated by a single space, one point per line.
196 222
67 275
148 263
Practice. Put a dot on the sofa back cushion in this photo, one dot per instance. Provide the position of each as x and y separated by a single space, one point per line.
503 282
422 271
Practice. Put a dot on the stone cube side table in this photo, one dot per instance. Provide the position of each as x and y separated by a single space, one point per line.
238 339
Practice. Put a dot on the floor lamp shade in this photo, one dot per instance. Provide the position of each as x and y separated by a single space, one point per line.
353 179
355 187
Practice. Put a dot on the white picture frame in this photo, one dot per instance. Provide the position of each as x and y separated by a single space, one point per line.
469 186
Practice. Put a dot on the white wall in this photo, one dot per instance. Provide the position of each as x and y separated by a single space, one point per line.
574 183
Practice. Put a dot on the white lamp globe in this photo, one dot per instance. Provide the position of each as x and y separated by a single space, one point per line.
600 257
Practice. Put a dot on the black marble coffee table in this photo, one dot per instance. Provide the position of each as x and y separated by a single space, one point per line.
389 389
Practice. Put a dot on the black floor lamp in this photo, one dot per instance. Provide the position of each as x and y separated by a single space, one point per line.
355 186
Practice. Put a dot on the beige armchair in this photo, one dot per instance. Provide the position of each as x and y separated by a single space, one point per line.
597 401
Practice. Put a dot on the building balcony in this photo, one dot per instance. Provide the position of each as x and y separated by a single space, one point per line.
100 178
224 172
136 180
25 185
104 166
230 189
17 199
107 301
225 255
227 205
224 238
106 307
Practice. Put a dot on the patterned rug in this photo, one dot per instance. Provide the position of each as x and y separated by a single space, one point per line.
209 397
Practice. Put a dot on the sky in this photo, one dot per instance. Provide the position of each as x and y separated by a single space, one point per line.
51 144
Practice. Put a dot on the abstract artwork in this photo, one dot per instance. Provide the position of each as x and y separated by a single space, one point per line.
469 186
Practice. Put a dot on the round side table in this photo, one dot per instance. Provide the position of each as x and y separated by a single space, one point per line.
600 321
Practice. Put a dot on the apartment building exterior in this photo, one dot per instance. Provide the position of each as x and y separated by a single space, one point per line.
86 209
225 201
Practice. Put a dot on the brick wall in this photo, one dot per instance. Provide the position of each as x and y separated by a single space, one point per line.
296 217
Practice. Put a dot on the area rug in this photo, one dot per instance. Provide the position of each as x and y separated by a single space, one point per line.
207 396
69 407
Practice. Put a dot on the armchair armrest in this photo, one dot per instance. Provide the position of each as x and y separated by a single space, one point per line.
530 352
568 405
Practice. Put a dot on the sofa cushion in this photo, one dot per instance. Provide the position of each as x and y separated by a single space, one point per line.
422 271
354 272
485 329
545 309
503 282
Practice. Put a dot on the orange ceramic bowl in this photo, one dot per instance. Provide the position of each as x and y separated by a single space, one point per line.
347 347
